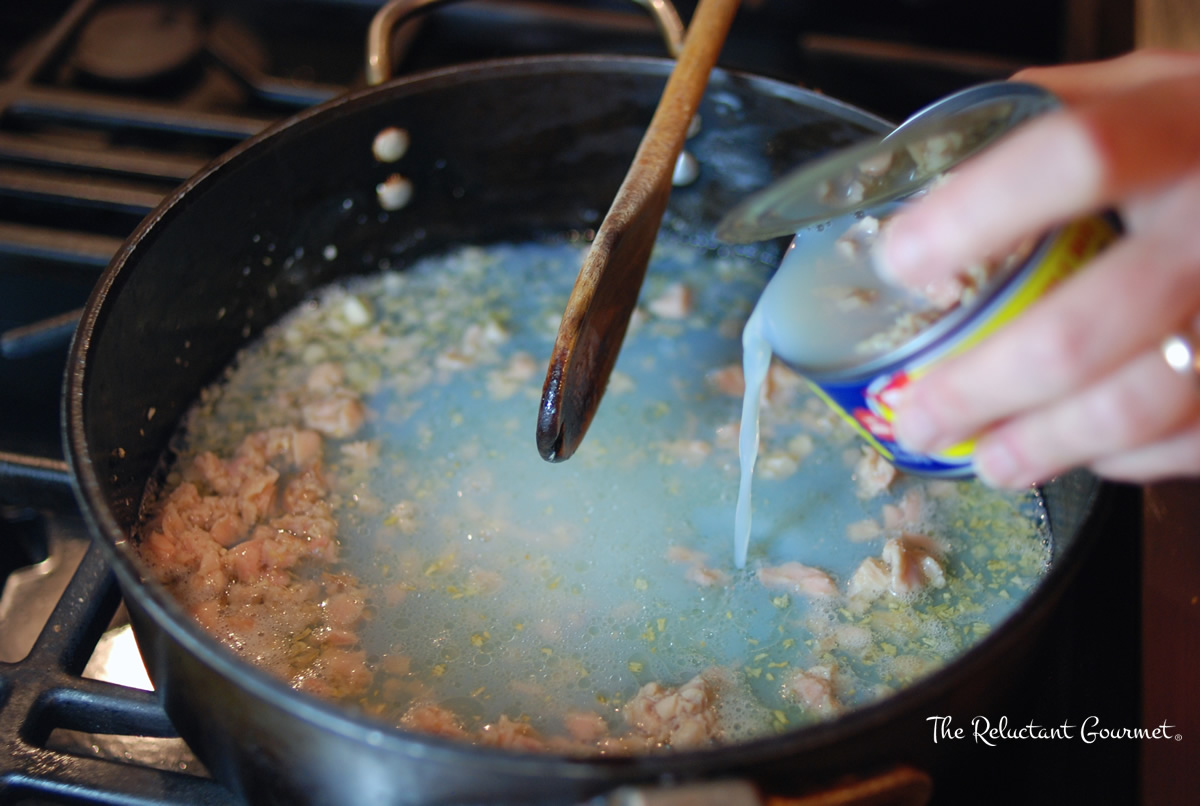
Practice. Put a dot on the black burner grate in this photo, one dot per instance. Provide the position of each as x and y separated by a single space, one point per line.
83 157
47 692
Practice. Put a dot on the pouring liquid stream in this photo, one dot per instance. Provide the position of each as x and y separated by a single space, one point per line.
756 364
802 335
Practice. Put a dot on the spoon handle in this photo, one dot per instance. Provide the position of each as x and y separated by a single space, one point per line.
606 290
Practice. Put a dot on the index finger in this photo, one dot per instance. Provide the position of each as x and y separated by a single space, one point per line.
1049 171
1075 84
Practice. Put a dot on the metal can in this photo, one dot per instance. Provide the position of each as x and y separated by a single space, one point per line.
863 395
857 340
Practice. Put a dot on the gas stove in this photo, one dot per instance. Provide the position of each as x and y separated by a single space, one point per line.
105 106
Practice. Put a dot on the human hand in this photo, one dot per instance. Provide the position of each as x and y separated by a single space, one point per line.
1080 379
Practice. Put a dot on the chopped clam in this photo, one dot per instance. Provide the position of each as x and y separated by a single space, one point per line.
796 577
873 474
815 690
675 302
680 718
911 567
866 529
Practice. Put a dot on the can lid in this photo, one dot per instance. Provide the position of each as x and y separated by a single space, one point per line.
926 145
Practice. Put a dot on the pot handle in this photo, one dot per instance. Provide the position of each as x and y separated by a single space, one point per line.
395 13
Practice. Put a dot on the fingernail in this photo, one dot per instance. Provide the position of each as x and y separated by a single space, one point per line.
995 465
916 430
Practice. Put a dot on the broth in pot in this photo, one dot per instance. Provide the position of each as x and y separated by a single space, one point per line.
359 508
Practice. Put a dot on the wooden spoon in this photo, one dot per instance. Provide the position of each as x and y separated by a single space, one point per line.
607 287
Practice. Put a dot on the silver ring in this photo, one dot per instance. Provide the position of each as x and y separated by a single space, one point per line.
1179 349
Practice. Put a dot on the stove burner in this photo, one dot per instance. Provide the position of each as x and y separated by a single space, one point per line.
137 43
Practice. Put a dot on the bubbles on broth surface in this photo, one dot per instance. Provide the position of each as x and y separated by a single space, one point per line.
501 586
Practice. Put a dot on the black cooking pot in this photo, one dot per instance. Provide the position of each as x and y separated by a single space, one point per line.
507 150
